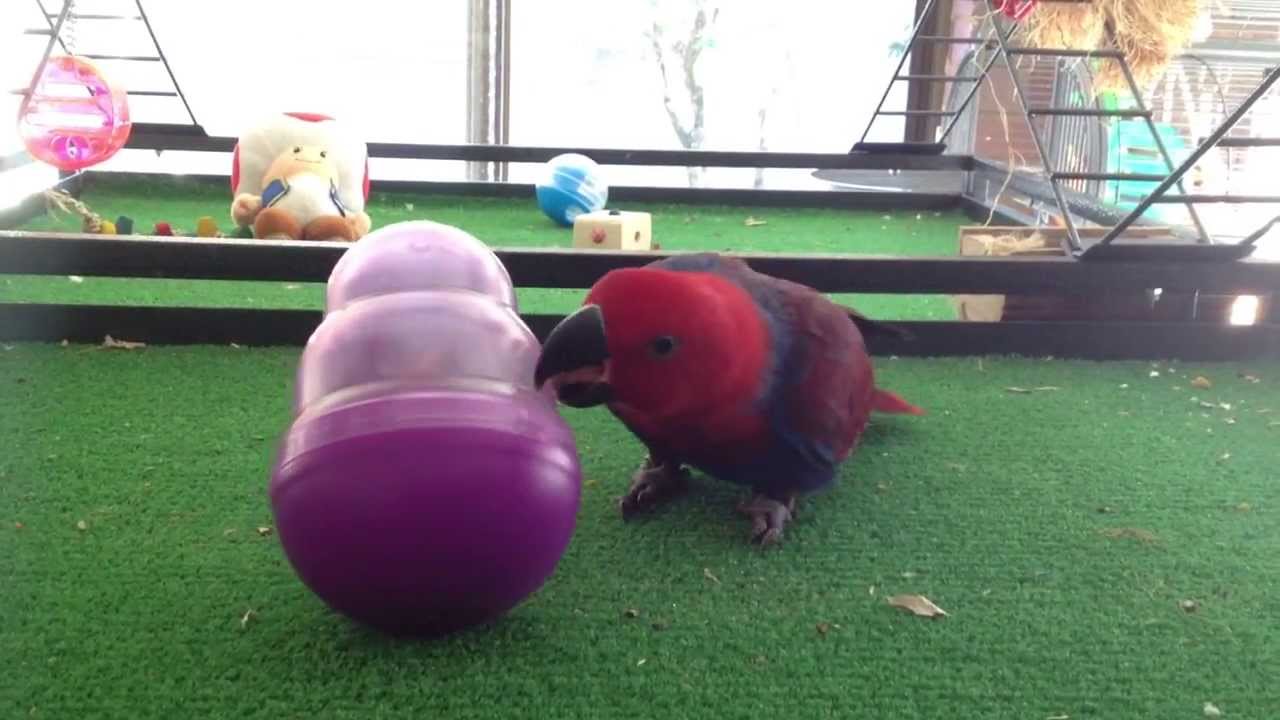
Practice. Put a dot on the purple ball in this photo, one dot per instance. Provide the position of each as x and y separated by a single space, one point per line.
417 255
425 486
412 338
429 511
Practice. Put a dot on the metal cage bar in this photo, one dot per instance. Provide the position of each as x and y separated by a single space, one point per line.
921 19
1209 143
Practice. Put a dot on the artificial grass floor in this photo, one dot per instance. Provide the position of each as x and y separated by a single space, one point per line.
498 222
1062 531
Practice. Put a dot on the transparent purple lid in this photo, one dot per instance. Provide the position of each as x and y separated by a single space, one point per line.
425 338
417 255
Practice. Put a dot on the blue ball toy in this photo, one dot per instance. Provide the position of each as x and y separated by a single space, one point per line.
572 185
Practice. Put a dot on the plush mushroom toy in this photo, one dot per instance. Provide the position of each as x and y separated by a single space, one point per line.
301 176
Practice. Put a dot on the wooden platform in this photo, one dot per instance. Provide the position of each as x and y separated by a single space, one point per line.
1140 304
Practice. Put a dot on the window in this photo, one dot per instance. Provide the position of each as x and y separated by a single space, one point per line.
800 76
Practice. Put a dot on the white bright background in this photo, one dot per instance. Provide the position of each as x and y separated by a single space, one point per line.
583 73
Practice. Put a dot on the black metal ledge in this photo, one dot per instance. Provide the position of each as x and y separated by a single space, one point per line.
150 136
151 257
15 160
1198 342
1037 187
618 194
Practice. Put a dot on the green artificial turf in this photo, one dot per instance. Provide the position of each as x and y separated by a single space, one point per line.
1061 529
500 223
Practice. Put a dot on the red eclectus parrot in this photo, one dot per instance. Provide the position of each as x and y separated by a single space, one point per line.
748 378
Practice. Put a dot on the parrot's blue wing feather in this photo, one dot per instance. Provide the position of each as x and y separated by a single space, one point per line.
809 401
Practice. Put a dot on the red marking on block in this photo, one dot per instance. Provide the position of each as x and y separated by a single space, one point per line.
598 236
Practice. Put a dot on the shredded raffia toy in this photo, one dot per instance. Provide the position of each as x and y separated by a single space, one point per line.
1149 33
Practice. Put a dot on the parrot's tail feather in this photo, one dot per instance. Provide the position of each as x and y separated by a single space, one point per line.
877 328
887 402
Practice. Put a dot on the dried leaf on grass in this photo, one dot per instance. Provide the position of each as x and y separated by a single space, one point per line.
244 619
264 531
706 572
82 525
1211 710
1028 391
917 605
631 613
1201 382
754 222
1189 606
111 343
17 525
1250 378
1138 534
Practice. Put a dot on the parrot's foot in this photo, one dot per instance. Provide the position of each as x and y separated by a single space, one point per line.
768 517
653 485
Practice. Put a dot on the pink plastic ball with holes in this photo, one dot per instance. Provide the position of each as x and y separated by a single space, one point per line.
75 118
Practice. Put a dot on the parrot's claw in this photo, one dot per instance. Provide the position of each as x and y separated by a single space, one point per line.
768 518
652 485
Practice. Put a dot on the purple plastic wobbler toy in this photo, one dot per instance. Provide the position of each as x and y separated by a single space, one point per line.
424 486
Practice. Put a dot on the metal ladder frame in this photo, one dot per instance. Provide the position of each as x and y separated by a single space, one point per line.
57 22
1204 248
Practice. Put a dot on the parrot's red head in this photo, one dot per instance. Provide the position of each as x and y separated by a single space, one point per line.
657 343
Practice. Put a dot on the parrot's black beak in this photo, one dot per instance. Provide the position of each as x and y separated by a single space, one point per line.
575 359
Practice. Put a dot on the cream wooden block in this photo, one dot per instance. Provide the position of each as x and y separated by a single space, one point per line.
613 230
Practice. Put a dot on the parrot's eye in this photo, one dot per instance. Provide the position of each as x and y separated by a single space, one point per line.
297 150
663 346
324 153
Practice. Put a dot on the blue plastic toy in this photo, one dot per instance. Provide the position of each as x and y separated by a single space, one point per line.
571 186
